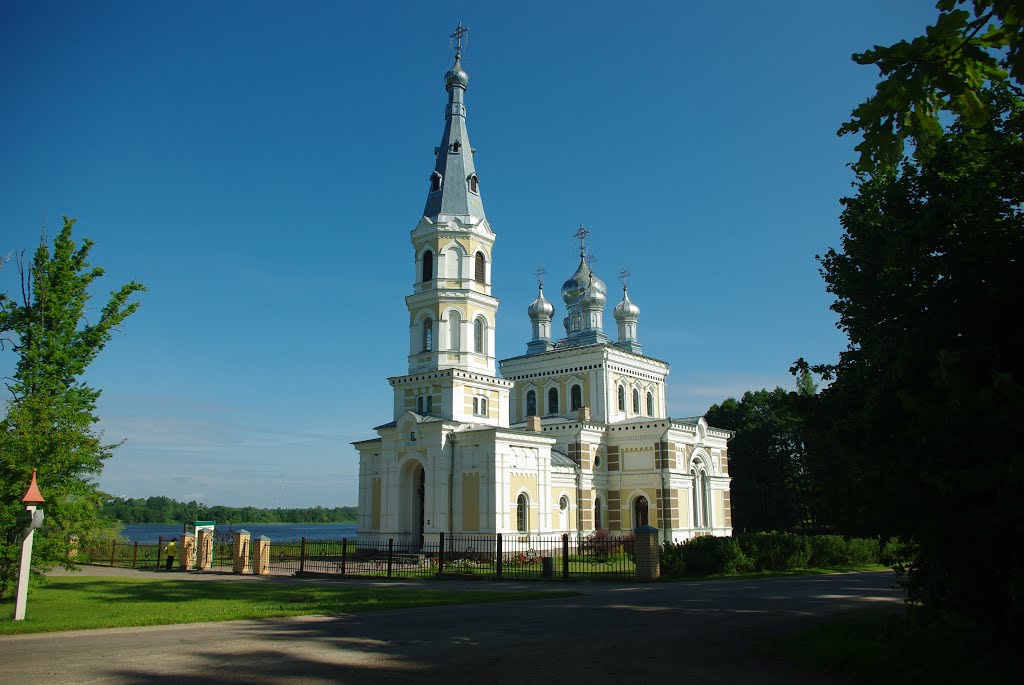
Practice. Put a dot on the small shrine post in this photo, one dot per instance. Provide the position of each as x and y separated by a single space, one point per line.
34 519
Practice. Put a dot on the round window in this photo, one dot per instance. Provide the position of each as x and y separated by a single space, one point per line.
597 462
563 503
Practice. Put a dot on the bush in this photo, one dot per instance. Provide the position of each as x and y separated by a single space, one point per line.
704 556
776 551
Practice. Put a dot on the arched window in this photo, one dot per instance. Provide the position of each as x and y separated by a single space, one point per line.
483 406
480 336
456 147
474 183
480 268
531 403
650 404
640 512
636 402
454 331
522 513
705 491
430 404
428 335
553 401
622 398
428 266
435 182
696 499
476 405
598 521
575 398
419 404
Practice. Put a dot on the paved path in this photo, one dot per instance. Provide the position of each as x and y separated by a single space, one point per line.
692 632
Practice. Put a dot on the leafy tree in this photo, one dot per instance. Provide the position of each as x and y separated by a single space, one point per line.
50 419
922 422
975 45
772 487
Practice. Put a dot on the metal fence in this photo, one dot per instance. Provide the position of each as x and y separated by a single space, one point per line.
118 553
518 556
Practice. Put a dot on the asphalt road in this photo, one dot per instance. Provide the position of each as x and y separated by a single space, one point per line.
693 632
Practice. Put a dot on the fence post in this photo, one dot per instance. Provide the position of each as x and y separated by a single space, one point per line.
344 554
159 548
391 551
113 551
302 555
135 553
440 554
565 556
498 560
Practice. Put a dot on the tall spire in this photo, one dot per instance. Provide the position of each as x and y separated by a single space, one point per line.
454 185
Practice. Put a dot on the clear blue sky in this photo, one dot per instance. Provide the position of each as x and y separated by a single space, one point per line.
259 165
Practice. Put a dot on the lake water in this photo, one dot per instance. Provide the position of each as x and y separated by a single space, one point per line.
277 532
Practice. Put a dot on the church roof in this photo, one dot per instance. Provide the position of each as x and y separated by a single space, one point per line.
420 418
454 189
561 459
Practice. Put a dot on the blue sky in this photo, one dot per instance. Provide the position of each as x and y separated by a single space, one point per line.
259 165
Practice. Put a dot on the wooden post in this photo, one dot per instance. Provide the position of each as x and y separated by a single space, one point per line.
113 550
135 553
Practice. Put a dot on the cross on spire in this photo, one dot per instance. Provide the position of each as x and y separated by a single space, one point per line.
540 273
591 259
624 277
581 234
457 36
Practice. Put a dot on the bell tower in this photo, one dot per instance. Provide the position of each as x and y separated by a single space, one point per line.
452 313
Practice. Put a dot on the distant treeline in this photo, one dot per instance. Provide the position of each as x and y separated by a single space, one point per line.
166 510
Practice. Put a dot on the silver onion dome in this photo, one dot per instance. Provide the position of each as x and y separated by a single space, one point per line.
456 76
593 297
580 281
625 309
541 308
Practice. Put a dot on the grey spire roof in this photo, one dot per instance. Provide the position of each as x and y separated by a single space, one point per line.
454 189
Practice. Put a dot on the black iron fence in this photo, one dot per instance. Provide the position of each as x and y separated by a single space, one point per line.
517 556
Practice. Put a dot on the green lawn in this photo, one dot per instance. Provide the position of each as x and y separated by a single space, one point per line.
70 603
880 646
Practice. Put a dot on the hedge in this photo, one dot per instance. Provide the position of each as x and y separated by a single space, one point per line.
707 555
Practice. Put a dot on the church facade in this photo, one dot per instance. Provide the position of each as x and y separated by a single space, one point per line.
573 436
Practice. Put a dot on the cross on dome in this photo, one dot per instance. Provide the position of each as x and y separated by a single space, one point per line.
457 36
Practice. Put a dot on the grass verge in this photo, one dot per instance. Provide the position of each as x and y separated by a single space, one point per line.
882 646
69 603
813 571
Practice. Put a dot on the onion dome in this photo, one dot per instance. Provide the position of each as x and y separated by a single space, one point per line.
625 309
456 76
593 297
580 281
541 308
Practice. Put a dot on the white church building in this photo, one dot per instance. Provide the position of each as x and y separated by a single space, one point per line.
572 437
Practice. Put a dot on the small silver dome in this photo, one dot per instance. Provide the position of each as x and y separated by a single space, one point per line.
580 281
456 76
625 309
541 308
593 297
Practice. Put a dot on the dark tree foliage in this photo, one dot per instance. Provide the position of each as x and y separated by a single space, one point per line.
50 414
920 434
159 509
772 488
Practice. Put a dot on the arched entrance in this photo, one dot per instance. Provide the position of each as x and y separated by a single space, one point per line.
640 517
413 482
